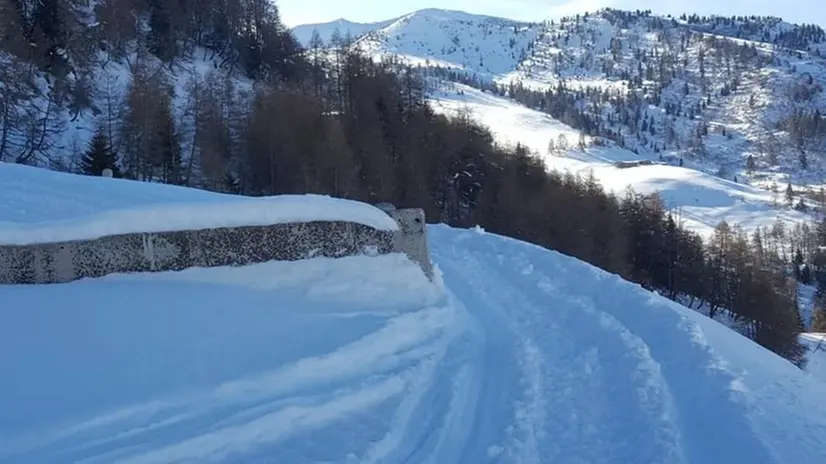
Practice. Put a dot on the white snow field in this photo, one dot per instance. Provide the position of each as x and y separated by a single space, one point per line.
515 354
702 199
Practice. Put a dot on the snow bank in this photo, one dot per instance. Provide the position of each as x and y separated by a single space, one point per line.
30 213
86 363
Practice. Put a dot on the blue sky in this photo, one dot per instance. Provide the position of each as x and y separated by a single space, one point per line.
295 12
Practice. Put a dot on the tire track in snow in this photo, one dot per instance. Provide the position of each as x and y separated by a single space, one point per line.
229 442
475 426
407 341
521 432
629 382
567 374
399 442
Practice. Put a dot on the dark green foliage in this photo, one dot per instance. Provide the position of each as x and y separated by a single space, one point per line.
99 156
163 41
167 147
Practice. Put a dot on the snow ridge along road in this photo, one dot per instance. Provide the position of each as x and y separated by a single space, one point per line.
516 355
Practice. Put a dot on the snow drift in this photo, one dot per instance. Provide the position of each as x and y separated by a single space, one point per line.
515 354
145 212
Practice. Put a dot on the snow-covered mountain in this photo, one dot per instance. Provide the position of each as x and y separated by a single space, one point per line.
510 356
484 44
326 31
505 51
701 199
738 96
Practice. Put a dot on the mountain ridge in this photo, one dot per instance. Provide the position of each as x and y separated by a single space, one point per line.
304 32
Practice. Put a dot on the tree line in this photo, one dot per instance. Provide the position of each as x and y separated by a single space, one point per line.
338 122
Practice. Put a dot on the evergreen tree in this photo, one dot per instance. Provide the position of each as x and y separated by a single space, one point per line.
49 30
167 148
750 163
162 39
789 194
99 156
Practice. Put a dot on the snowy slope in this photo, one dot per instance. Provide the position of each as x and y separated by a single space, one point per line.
510 357
304 32
776 69
755 77
73 132
478 44
702 200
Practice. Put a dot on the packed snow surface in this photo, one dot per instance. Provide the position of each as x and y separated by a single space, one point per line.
91 207
515 354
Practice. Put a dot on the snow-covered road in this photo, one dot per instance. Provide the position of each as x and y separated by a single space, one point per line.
608 373
522 356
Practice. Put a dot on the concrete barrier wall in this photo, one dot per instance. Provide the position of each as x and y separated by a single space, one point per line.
172 251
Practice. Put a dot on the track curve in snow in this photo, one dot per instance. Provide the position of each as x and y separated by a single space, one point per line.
612 373
518 355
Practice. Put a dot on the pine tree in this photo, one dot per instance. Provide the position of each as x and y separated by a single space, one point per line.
162 40
789 194
48 22
168 148
99 156
750 163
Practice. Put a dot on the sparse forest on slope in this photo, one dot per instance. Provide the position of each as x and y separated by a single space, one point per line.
708 88
218 95
743 95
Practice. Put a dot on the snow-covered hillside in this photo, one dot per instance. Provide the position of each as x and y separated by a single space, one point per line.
482 45
701 200
720 91
69 134
326 31
511 356
716 89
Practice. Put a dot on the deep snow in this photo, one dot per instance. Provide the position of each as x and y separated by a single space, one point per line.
100 206
515 354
